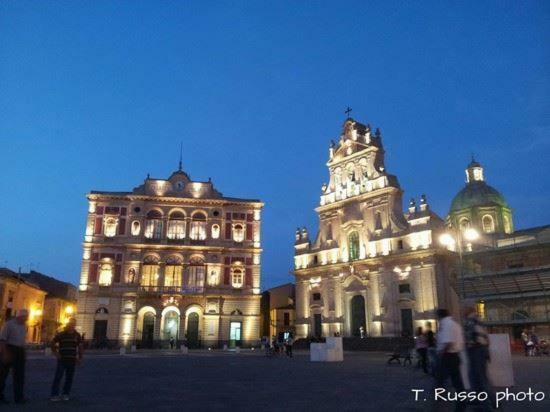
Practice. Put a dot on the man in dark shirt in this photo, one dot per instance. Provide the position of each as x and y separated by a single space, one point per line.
67 348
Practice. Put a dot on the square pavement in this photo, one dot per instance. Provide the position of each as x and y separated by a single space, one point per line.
249 381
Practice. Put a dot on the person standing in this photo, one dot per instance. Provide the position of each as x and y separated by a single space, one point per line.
477 347
432 352
450 341
289 343
525 341
421 346
67 348
12 350
172 342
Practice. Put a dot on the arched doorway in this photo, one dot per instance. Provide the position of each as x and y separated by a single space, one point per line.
192 334
358 319
148 330
171 324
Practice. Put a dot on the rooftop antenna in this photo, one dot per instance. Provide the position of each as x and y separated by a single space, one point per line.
181 151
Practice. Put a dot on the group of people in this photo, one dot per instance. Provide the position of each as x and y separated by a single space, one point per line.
440 353
278 346
66 347
531 344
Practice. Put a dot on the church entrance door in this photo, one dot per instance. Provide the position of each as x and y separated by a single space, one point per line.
193 330
358 319
317 326
148 330
406 322
235 334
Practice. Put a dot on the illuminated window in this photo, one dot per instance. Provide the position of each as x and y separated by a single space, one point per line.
150 275
215 231
237 278
488 224
172 275
136 227
195 276
153 230
105 273
238 233
198 227
110 227
176 226
353 244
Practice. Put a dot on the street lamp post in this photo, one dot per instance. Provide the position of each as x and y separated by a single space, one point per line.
449 241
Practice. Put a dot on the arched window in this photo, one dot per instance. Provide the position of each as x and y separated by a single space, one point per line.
238 232
110 226
105 273
215 231
172 272
176 226
237 278
488 224
153 230
136 227
194 281
353 245
150 272
464 223
198 226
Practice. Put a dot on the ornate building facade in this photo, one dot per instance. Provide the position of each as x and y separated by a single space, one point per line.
371 267
172 259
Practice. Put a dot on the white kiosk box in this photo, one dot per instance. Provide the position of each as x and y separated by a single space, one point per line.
330 351
499 369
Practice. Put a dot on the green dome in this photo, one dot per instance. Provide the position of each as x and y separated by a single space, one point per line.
475 194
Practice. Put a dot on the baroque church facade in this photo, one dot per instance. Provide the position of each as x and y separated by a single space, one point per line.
372 268
173 259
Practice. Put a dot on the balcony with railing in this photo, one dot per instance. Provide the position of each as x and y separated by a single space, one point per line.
171 290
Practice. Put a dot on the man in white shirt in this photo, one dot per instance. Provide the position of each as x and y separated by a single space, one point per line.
12 352
450 341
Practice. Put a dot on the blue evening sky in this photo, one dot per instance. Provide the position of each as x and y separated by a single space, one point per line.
96 94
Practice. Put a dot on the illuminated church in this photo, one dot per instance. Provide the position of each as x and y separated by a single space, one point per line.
171 260
372 268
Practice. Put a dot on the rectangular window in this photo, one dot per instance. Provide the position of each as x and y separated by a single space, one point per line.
198 230
149 275
404 288
316 296
195 279
172 276
153 229
286 319
176 229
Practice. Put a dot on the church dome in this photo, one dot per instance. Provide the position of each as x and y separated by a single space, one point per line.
477 193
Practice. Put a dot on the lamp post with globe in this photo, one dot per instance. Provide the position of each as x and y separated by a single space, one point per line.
454 240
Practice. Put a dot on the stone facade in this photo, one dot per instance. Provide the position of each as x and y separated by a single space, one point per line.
172 259
371 268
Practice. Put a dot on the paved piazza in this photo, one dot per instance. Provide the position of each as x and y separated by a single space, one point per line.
249 381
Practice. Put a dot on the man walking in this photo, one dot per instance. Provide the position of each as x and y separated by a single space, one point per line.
477 348
450 342
67 348
12 351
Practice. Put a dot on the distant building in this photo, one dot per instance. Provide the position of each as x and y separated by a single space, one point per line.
173 258
278 310
506 272
16 293
59 305
371 266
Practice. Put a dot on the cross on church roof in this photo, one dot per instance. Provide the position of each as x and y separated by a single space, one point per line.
348 111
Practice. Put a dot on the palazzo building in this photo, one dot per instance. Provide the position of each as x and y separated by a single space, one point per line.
371 266
173 258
